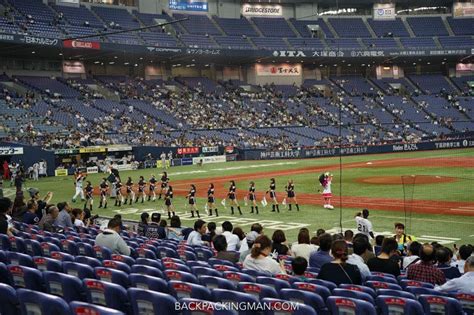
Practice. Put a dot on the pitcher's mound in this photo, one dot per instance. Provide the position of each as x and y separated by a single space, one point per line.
397 180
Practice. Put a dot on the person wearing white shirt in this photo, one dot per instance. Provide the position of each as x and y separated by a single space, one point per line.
412 255
463 284
360 246
259 258
195 237
364 226
303 248
463 254
233 241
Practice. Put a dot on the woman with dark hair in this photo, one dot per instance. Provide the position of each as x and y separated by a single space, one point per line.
290 194
303 247
253 198
89 198
220 245
211 232
169 201
279 241
142 226
211 200
192 201
164 184
259 258
141 189
338 271
233 197
272 192
130 194
174 231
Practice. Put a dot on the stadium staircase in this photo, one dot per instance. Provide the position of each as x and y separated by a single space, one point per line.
408 27
333 31
448 27
371 31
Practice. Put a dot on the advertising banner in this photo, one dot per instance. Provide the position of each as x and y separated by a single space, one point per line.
11 150
463 9
92 170
60 172
278 70
210 159
92 150
384 11
190 150
261 10
189 5
81 44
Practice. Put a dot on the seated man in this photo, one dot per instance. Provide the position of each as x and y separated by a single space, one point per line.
111 238
384 262
220 245
443 256
463 284
195 237
425 271
299 265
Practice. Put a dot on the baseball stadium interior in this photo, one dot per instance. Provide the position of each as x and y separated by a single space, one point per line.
363 111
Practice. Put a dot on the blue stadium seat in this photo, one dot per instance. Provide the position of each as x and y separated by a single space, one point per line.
382 279
328 284
237 277
222 268
112 275
146 253
124 259
70 247
5 242
417 291
38 303
216 261
149 262
106 294
78 270
203 253
343 305
278 284
26 277
255 273
258 290
5 276
68 287
396 293
198 263
323 291
211 282
175 266
112 264
48 247
308 298
203 271
222 295
62 256
15 258
150 302
81 308
359 288
181 276
382 285
90 261
17 244
433 304
282 307
412 283
85 249
9 304
146 282
399 305
180 289
45 263
162 252
147 270
466 301
102 253
353 294
33 248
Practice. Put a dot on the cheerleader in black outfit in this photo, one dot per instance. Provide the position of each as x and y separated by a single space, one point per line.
164 184
151 190
211 201
130 193
233 197
104 188
290 194
192 201
272 192
169 201
118 194
253 198
89 199
141 189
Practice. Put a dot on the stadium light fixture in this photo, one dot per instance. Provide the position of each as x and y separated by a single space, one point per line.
33 52
96 62
112 62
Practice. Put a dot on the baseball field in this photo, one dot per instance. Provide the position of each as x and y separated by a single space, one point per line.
431 192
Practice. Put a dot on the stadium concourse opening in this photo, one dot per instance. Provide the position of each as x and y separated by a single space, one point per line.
183 157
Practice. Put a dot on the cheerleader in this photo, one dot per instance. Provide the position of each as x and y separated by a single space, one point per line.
325 181
118 193
233 197
272 191
130 193
141 189
290 194
151 189
253 198
169 201
89 200
104 189
164 183
211 201
192 201
78 181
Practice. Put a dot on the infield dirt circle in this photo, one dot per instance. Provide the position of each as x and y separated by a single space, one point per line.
398 180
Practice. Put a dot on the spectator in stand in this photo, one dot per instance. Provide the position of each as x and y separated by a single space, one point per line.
338 270
279 243
233 241
30 216
412 257
6 207
299 266
426 271
19 207
243 245
47 222
163 224
34 194
175 229
348 237
64 217
384 262
255 231
211 232
463 284
378 244
220 245
443 256
259 258
465 251
303 248
195 237
154 230
318 258
360 245
141 229
111 238
402 239
78 217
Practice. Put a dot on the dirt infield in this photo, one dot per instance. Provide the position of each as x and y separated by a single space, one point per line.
397 180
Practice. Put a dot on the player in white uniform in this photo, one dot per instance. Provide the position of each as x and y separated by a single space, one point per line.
170 158
35 171
325 181
364 226
163 160
78 182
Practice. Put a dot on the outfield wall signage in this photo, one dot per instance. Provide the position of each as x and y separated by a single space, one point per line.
81 44
463 9
119 148
209 159
190 150
278 70
11 150
358 150
187 161
210 149
92 150
60 172
66 151
92 170
261 10
189 5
